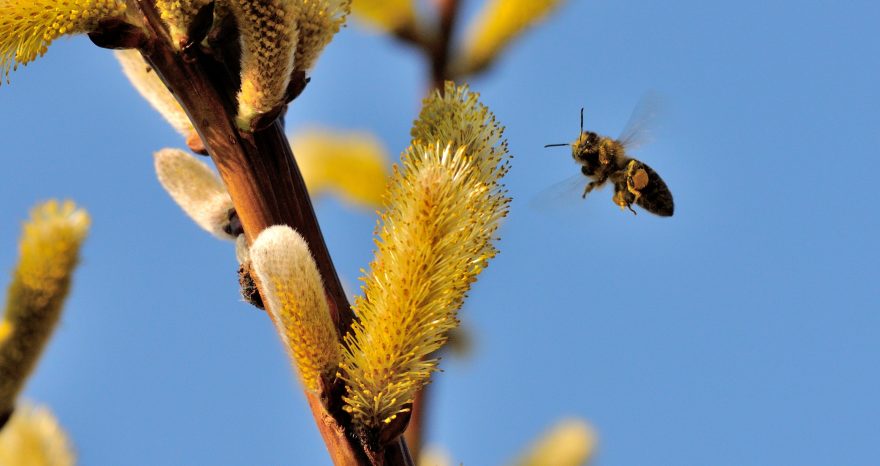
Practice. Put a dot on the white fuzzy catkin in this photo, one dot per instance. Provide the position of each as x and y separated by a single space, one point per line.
294 294
151 88
242 250
196 189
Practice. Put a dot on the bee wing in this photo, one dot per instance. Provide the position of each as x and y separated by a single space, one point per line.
642 122
655 196
561 195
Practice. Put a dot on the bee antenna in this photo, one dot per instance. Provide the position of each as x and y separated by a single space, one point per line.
582 120
555 145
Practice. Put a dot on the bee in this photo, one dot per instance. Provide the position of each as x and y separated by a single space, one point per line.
603 159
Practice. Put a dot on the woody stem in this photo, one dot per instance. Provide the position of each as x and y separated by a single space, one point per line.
266 187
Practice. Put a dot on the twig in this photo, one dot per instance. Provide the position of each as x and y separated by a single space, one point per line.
448 12
266 187
415 431
4 418
397 454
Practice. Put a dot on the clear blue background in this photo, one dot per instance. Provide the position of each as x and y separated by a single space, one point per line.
744 330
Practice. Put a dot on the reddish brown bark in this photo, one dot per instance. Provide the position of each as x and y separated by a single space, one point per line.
264 181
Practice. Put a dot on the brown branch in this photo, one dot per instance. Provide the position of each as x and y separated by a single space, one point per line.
4 418
440 55
410 33
415 431
266 188
397 454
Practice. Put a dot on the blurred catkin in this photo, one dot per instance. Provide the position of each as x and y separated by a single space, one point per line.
151 87
49 251
443 209
196 189
569 443
33 437
388 15
295 296
434 456
28 27
497 25
353 165
268 34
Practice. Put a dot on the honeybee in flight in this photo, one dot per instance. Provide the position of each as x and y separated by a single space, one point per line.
604 159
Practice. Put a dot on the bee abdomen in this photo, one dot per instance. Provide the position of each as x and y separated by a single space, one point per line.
655 196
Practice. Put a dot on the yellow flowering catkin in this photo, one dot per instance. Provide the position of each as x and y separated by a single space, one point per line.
443 207
33 437
151 88
388 15
295 296
268 34
179 14
28 27
318 21
352 165
196 189
569 443
49 251
499 22
436 237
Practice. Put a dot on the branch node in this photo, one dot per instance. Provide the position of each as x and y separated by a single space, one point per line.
116 33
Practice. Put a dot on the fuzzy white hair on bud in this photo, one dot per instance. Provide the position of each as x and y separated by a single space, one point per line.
196 189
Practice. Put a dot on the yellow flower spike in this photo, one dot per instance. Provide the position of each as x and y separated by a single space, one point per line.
268 34
28 27
388 15
196 189
499 23
569 443
318 22
33 437
443 207
442 214
295 296
151 87
350 164
49 251
179 14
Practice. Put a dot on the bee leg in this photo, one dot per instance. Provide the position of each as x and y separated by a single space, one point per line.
590 186
634 191
636 179
620 199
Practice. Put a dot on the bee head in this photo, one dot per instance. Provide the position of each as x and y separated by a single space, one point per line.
587 144
585 147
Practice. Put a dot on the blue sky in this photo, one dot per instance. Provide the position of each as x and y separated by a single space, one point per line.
743 330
